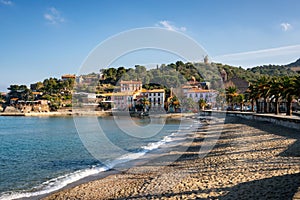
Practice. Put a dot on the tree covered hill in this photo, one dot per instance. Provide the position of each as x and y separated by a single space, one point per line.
276 70
179 72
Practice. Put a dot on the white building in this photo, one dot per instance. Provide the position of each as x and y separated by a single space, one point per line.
156 97
196 94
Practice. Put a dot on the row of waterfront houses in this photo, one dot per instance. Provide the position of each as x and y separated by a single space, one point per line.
128 95
131 93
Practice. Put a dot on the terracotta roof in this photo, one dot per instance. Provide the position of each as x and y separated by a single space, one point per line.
68 76
187 86
156 90
14 99
196 90
118 94
36 92
130 82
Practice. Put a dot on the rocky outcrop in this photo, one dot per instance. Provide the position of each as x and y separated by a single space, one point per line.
35 108
26 108
11 109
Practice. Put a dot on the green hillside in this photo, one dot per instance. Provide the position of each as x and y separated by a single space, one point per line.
276 70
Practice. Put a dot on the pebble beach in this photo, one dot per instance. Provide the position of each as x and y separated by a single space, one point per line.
250 160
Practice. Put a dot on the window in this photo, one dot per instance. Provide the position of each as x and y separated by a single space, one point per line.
158 94
191 95
158 100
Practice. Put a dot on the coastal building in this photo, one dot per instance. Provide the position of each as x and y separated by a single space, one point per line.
37 95
86 98
68 76
130 86
90 79
14 100
156 97
123 100
196 94
186 88
128 100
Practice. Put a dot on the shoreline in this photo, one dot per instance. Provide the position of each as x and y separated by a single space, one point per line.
151 146
250 160
57 114
87 114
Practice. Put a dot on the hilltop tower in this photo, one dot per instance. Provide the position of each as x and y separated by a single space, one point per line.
206 60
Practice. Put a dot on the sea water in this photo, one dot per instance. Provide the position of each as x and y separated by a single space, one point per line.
39 155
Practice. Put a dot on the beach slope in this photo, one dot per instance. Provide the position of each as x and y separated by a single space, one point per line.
251 160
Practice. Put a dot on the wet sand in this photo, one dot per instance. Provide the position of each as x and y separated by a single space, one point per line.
251 160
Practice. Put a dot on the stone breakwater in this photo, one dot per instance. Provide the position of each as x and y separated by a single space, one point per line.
251 160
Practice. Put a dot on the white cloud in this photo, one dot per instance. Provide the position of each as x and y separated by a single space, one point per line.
53 16
279 55
6 2
170 26
286 26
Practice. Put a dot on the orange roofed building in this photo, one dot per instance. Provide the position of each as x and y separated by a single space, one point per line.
68 76
122 100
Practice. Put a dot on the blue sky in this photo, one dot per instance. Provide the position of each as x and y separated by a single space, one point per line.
41 39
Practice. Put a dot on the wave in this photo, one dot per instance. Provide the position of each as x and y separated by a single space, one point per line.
62 181
54 184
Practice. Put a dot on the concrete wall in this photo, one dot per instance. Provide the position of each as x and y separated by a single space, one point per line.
286 121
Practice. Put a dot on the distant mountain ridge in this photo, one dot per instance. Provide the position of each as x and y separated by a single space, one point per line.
294 64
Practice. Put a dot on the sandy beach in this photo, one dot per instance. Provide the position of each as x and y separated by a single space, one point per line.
251 160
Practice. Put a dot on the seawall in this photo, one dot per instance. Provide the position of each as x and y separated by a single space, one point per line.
282 120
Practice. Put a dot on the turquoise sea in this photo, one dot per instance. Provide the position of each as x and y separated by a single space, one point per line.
39 155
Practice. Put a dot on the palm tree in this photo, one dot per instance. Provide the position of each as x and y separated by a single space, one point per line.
297 87
202 103
264 90
253 95
231 92
241 99
145 103
288 92
173 103
276 89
